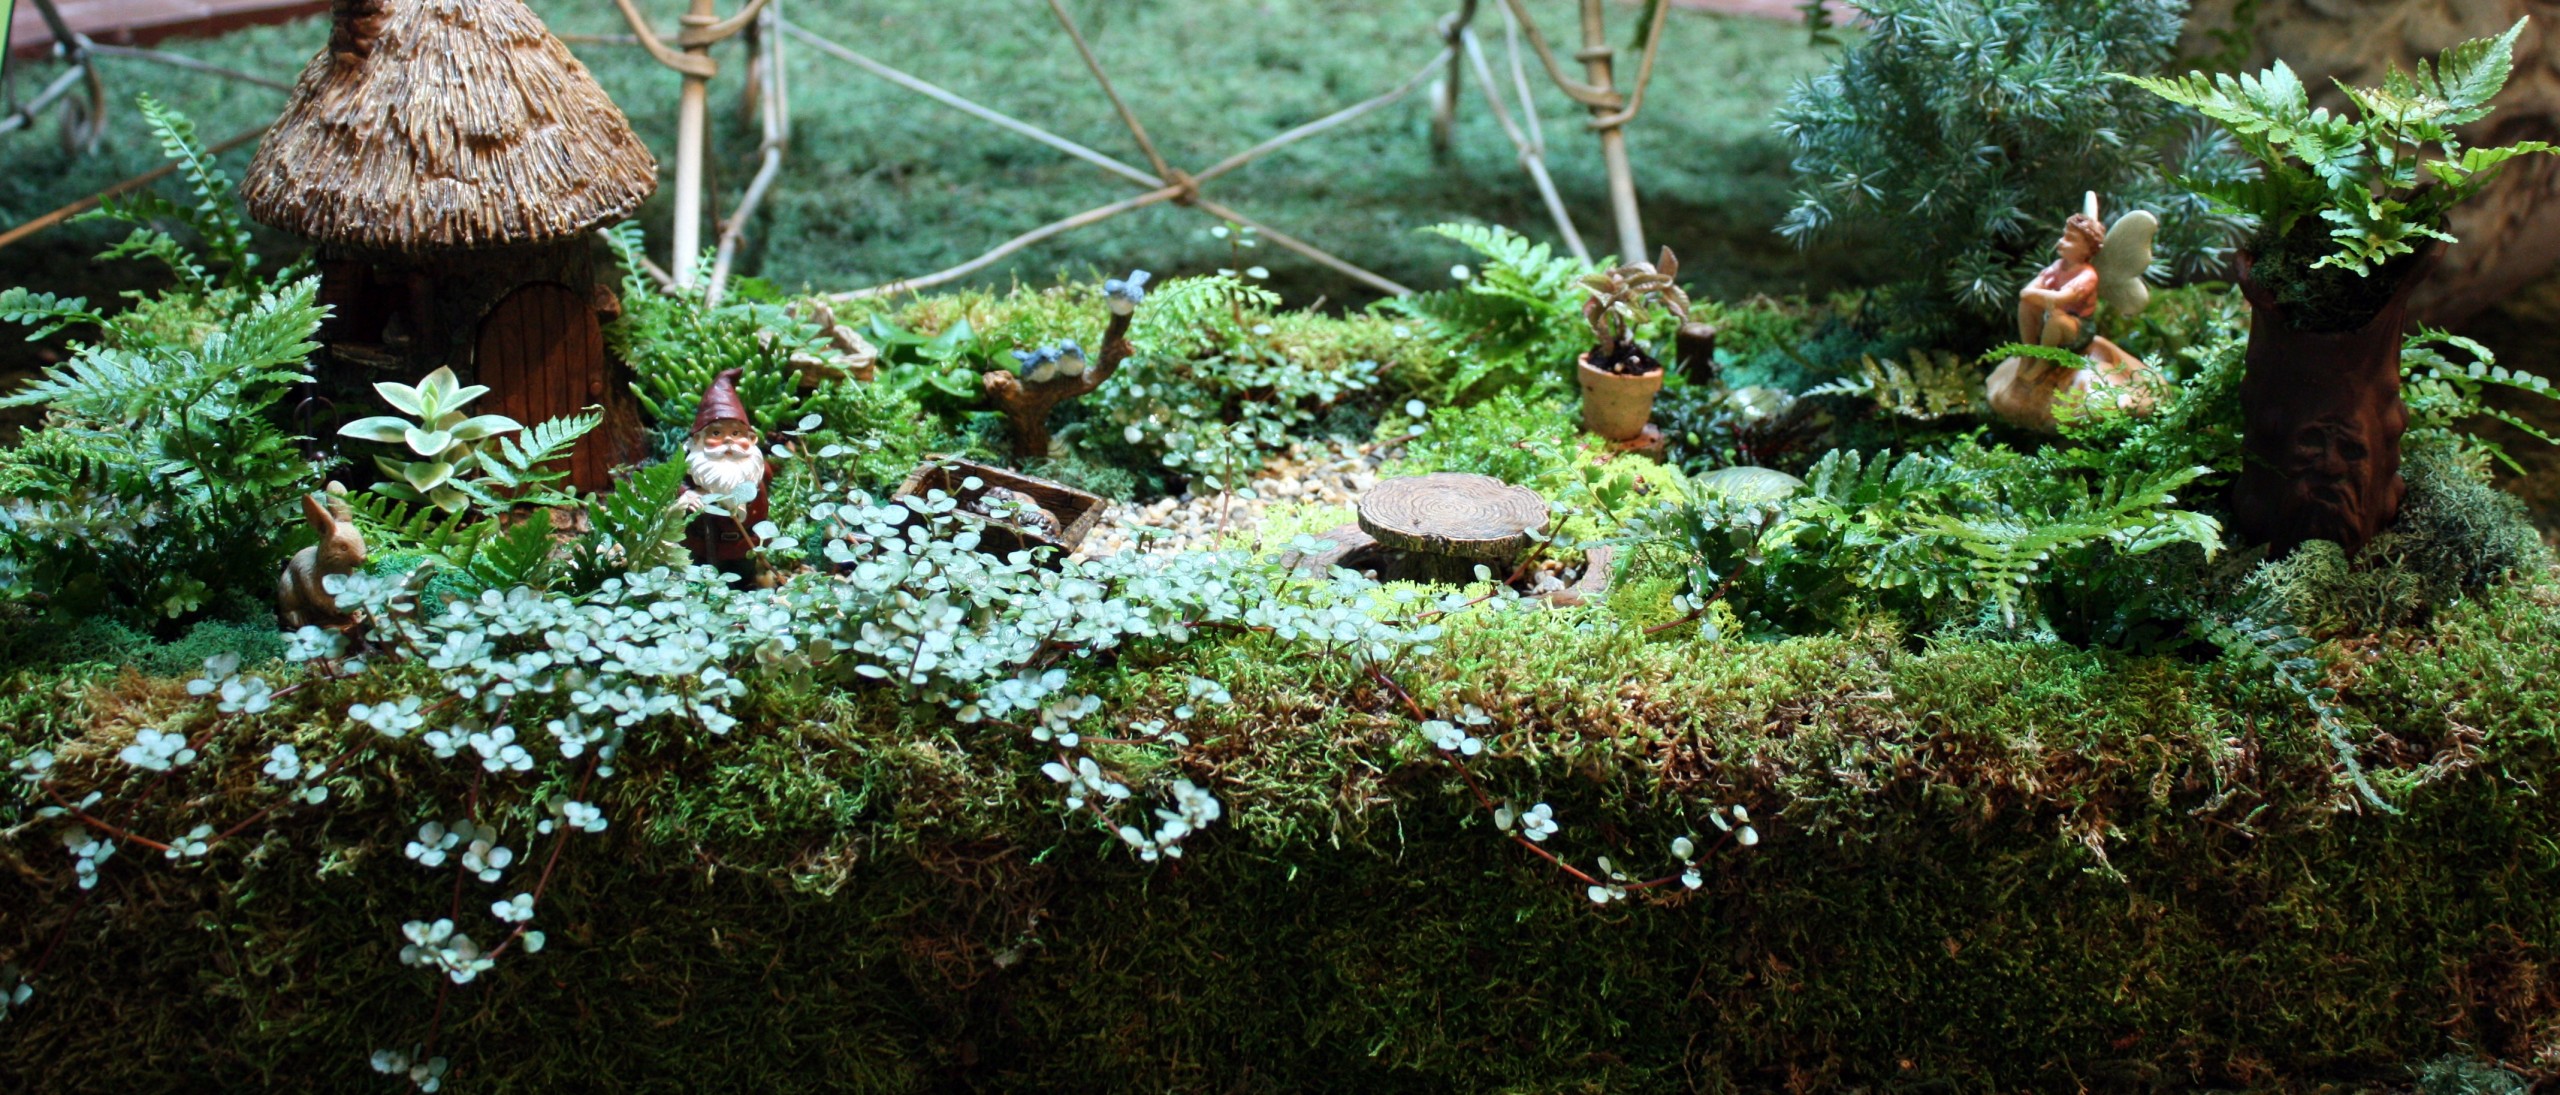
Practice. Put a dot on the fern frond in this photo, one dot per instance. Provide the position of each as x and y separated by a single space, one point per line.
45 312
2260 637
636 527
520 556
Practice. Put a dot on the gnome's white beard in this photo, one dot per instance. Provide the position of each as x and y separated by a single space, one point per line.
722 473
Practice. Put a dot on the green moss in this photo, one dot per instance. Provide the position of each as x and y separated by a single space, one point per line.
1989 866
2455 534
2317 298
32 641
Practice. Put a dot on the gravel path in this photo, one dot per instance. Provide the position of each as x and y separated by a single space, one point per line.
1323 473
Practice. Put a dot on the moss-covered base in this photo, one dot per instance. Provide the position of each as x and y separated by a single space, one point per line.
1986 956
1990 867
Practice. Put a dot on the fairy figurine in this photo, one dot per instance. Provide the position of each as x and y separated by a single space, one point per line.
2094 264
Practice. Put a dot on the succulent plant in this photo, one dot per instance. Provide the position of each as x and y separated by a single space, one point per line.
1617 304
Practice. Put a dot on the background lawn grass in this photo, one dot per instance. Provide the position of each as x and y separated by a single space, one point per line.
881 183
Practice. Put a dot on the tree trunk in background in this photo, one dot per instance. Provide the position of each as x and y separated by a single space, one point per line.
2511 232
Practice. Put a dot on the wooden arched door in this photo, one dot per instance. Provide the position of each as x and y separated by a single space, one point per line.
541 352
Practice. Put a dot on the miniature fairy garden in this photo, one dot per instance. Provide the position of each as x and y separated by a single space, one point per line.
461 654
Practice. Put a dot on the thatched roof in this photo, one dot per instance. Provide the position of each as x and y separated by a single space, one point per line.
431 124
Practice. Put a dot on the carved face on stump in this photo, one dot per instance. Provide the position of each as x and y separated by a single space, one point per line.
2336 458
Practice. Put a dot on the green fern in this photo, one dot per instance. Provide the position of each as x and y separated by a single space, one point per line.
2370 175
1975 526
520 556
394 524
1518 319
159 473
526 470
45 312
636 527
2441 392
212 214
1194 317
1927 386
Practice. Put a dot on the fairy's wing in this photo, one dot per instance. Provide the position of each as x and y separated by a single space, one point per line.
2122 262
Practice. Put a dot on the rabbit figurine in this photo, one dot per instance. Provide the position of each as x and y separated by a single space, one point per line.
301 599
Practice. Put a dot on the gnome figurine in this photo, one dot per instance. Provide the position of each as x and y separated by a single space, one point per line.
724 469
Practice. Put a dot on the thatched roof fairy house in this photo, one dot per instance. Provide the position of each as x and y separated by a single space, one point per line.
452 159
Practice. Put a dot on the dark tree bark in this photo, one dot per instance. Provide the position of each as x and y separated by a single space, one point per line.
2321 422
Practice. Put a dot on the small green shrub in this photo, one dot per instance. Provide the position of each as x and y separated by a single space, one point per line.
161 477
676 343
1957 134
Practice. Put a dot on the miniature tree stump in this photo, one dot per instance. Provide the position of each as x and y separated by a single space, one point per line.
1448 522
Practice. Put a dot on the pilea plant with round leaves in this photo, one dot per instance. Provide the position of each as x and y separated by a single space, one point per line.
535 696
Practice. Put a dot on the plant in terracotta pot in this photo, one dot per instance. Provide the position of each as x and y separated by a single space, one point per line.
1619 377
2351 207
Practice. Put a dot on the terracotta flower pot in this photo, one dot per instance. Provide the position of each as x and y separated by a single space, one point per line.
2321 422
1615 406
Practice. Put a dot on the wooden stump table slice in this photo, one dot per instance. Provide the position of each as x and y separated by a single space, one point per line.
1458 518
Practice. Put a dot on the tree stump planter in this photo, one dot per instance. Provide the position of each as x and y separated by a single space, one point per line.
2321 422
1076 511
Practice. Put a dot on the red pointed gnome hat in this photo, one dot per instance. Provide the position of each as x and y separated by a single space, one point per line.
720 402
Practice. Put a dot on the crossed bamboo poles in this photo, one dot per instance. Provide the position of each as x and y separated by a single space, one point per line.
1461 52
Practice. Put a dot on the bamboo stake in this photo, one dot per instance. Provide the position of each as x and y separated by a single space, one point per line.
702 28
1183 189
135 183
1089 216
776 113
1126 117
1329 121
1533 158
972 109
180 60
1302 247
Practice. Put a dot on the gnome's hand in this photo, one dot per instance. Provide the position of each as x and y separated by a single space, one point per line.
691 501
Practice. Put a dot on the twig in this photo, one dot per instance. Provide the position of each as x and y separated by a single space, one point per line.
1302 247
974 110
99 823
1090 216
135 183
1329 121
1026 403
1127 117
1531 149
180 60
